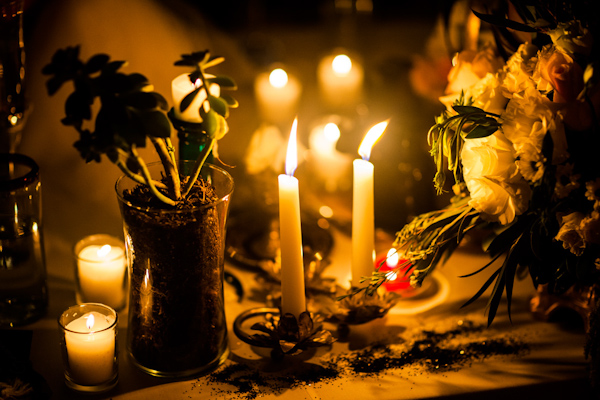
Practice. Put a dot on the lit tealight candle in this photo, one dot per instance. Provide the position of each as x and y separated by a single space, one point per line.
101 271
277 95
181 86
292 265
340 80
388 264
363 211
90 344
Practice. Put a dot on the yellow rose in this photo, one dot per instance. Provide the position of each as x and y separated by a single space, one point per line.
496 187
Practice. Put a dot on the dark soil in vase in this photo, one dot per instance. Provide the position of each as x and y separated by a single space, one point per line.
176 313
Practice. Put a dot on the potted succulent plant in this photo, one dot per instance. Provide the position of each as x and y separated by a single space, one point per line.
173 211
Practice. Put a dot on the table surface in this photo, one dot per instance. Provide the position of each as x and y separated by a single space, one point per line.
79 200
552 361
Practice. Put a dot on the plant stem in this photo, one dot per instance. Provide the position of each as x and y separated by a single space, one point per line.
170 167
149 181
137 177
197 167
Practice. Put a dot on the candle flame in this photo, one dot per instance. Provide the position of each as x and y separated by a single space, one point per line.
104 250
90 321
392 258
278 78
197 84
341 64
291 158
371 138
146 279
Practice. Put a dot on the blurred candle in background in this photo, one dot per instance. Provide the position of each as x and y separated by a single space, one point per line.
340 81
363 212
292 264
329 164
277 95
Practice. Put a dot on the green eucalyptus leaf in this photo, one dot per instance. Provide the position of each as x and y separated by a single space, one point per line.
481 131
503 22
219 105
466 109
224 82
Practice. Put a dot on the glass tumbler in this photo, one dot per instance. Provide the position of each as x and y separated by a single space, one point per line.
23 290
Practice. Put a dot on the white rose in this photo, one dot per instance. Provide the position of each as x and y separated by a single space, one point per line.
527 118
496 187
519 69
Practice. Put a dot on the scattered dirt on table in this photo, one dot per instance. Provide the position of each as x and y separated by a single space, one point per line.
426 351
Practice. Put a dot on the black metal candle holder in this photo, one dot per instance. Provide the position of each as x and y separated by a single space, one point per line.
285 335
356 308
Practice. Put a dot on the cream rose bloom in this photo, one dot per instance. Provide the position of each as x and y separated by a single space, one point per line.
496 187
528 117
518 70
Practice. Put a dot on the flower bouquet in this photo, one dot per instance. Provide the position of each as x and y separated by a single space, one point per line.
520 137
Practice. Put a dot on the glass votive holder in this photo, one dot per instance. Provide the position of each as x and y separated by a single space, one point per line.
88 341
101 271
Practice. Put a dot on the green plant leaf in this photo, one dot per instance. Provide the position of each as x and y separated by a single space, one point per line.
220 106
483 288
224 82
96 63
210 122
231 102
141 101
481 131
188 99
156 124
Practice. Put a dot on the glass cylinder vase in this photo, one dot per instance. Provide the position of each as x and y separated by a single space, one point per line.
193 139
23 288
177 323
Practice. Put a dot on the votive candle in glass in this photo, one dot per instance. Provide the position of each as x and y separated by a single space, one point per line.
88 341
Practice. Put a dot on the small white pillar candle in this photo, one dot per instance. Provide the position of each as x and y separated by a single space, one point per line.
181 86
89 346
292 264
340 81
101 271
277 95
363 210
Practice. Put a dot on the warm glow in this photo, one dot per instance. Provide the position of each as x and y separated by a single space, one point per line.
331 132
90 321
392 258
104 250
291 158
326 211
371 138
341 64
278 78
